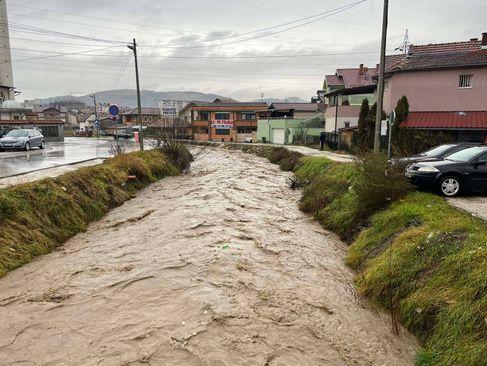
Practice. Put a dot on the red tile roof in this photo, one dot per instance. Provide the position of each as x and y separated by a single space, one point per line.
398 63
452 47
334 80
352 77
439 56
447 120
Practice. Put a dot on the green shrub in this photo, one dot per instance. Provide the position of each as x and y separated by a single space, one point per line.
178 154
291 161
378 183
343 196
278 154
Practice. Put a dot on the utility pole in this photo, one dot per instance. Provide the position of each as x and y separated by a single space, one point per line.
96 115
133 47
97 123
382 68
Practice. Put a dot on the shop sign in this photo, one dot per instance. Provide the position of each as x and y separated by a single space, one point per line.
221 124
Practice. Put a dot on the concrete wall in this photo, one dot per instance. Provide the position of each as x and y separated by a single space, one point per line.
266 128
330 123
345 114
438 90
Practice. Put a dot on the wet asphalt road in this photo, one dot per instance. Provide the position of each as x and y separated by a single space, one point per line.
72 150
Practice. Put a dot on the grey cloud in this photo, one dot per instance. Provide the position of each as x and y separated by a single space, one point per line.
343 37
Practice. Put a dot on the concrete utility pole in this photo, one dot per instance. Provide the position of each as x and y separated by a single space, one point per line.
6 74
97 122
96 113
382 68
133 47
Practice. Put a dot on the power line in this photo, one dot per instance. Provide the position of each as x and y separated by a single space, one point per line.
39 30
62 55
126 30
101 18
88 53
49 42
119 75
202 42
315 18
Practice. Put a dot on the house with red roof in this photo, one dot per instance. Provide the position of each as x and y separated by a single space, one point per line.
446 86
344 93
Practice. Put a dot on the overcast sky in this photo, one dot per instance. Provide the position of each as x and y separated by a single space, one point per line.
169 31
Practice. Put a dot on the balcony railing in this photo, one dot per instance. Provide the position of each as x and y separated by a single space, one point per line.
246 123
201 123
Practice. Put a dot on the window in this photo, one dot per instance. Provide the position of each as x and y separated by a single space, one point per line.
483 158
465 81
249 116
467 154
204 116
347 124
223 132
222 116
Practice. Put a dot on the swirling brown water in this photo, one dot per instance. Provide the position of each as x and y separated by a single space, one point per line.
217 267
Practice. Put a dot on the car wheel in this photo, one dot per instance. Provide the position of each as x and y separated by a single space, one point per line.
43 145
450 186
27 146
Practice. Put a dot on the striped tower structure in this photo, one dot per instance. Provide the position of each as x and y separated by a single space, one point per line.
6 73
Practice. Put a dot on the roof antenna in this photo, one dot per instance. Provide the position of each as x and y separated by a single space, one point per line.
404 48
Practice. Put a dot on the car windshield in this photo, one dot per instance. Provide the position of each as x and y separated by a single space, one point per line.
467 154
437 151
17 133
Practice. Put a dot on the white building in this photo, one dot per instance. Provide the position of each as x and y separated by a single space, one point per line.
171 108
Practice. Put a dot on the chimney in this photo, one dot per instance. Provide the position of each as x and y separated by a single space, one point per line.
361 69
484 41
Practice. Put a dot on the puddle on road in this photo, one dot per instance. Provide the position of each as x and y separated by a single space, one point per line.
218 267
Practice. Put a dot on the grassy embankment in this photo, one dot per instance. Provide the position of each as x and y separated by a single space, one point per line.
415 255
39 216
418 257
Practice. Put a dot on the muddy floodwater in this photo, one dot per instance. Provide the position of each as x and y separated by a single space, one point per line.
217 267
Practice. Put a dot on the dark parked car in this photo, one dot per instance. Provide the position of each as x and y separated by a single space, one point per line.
463 171
438 152
22 140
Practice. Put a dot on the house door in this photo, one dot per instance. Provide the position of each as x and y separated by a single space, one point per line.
279 136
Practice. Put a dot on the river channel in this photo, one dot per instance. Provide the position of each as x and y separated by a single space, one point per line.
216 267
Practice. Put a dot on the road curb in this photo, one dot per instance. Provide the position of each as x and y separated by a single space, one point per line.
53 167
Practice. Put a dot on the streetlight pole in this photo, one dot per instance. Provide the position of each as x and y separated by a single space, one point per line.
382 68
97 123
133 47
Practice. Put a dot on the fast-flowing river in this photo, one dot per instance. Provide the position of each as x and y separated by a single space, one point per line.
217 267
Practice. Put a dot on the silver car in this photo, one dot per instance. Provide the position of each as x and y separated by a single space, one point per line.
22 140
